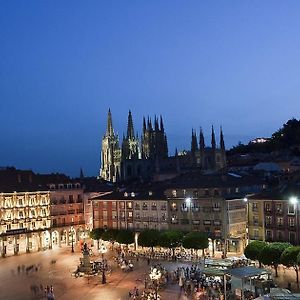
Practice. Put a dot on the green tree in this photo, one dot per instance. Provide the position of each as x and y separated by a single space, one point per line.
253 250
149 238
125 237
195 240
171 239
289 258
109 235
96 234
270 254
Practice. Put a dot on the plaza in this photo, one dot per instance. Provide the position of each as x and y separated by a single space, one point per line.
55 267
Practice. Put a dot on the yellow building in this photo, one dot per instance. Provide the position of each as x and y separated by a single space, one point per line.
25 222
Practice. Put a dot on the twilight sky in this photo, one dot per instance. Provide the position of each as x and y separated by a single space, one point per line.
198 63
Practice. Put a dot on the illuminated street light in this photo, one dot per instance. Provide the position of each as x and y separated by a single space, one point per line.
293 200
188 202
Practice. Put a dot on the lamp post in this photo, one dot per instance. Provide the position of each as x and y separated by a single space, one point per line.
294 201
72 239
103 250
188 202
155 276
247 225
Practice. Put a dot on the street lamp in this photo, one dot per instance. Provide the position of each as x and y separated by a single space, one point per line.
248 225
188 202
155 276
294 201
103 250
72 239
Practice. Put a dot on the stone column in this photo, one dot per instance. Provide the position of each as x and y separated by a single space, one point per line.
27 243
50 242
3 248
40 242
59 239
16 250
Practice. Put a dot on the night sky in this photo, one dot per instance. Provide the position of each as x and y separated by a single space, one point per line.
63 64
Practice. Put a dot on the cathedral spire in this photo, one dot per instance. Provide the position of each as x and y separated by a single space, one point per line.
109 128
161 124
201 142
222 143
156 128
130 130
144 125
213 139
194 146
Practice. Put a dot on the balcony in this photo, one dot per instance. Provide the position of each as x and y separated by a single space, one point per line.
145 207
153 207
163 208
216 209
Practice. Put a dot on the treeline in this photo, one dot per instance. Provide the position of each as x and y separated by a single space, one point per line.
153 238
286 138
274 254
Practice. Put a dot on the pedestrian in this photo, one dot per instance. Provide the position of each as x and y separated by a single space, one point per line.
19 270
148 261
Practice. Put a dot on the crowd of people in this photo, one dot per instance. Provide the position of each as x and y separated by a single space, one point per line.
123 263
194 282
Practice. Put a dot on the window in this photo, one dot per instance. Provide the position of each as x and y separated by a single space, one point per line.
195 194
21 225
268 220
279 208
207 222
163 217
254 206
145 206
256 234
137 206
105 214
114 205
217 222
279 235
174 193
122 205
153 206
33 224
291 222
114 214
71 199
21 214
8 227
237 189
130 214
291 209
20 201
129 204
268 207
104 204
280 221
255 220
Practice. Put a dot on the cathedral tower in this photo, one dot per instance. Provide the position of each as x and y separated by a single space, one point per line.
110 153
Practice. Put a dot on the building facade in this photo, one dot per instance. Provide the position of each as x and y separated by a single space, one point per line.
274 216
130 210
67 213
25 222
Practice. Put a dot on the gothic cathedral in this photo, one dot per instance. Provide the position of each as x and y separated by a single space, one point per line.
143 158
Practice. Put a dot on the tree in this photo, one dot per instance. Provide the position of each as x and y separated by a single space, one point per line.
109 235
270 254
253 250
149 238
289 258
96 234
125 237
171 239
195 240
